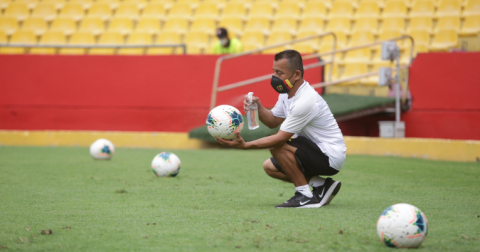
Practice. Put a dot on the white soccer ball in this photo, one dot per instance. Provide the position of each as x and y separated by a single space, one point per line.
166 164
224 121
402 226
102 149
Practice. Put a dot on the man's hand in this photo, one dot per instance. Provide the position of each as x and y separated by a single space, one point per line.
238 143
246 102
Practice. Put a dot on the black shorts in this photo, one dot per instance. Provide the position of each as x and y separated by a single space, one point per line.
310 158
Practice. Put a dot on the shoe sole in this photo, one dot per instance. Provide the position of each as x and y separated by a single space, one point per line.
305 206
330 194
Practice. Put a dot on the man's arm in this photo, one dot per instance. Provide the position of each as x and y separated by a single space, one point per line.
262 143
265 115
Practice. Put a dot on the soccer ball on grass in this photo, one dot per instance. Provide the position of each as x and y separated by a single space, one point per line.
102 149
402 226
166 164
224 121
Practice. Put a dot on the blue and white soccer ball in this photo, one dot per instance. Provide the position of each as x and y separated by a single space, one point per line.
402 226
102 149
166 164
224 121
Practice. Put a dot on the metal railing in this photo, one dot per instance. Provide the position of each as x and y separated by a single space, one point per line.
216 89
216 77
183 46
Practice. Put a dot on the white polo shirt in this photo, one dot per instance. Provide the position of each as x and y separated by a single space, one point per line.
308 115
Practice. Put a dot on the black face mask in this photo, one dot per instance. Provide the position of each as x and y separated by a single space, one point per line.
281 86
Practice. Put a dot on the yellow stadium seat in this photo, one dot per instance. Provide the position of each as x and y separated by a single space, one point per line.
47 11
189 1
178 25
149 25
308 46
197 42
341 9
420 23
30 3
127 10
261 9
100 10
65 25
4 4
136 38
369 24
108 38
203 24
314 24
3 37
49 38
113 4
86 4
207 10
166 38
395 8
421 38
339 24
122 25
288 10
368 9
58 4
449 8
359 55
471 25
139 3
37 25
72 10
314 9
154 10
288 24
472 7
390 34
422 8
373 80
234 10
19 37
253 40
393 24
232 24
9 25
94 25
79 38
17 10
448 23
361 38
444 40
353 70
261 24
180 10
334 70
277 37
327 42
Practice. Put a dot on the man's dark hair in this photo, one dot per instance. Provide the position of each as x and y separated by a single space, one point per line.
294 59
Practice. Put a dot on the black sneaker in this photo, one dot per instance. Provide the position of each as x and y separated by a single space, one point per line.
300 201
327 191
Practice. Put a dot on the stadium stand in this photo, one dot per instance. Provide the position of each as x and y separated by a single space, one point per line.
123 26
65 25
72 10
16 10
46 11
108 38
165 37
100 10
154 10
58 4
19 37
136 38
94 25
149 25
127 10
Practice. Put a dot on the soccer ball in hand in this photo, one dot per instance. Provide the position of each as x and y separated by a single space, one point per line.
402 226
102 149
166 164
224 121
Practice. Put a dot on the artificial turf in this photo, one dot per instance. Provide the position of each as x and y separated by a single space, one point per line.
220 201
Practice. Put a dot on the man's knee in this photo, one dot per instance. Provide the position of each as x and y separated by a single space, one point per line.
268 166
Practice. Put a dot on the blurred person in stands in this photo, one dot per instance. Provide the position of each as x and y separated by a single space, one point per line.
226 45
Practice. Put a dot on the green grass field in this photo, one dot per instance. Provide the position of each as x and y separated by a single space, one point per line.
220 201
